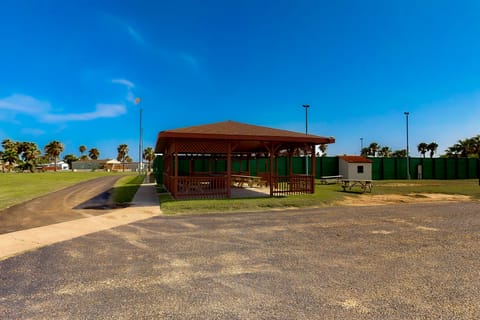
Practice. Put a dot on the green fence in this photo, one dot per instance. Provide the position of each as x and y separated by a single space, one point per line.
382 168
428 168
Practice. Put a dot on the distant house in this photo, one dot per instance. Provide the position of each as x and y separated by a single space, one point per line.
355 167
61 166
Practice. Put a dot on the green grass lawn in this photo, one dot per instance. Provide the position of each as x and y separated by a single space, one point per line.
19 187
125 188
325 195
468 187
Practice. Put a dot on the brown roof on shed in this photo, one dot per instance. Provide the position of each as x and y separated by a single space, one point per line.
355 159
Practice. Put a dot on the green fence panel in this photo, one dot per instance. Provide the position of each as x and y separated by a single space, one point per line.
416 168
401 168
427 168
327 166
200 165
260 165
451 168
439 168
236 166
462 168
298 165
377 166
157 168
383 168
472 168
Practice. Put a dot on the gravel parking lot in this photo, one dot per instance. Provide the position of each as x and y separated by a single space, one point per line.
415 261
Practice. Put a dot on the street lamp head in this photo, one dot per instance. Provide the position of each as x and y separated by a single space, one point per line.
406 113
306 106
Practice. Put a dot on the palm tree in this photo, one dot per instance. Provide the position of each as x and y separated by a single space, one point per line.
30 154
9 154
422 148
11 157
8 144
149 155
82 149
399 153
122 154
373 148
94 153
70 158
432 147
365 152
385 152
53 151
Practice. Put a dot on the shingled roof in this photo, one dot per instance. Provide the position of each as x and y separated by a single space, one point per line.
237 131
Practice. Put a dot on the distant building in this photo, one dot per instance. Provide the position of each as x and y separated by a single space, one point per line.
355 167
110 165
88 165
61 166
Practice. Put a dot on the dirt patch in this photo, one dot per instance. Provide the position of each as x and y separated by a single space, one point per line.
384 199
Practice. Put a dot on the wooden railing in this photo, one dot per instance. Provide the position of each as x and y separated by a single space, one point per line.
208 187
205 187
292 185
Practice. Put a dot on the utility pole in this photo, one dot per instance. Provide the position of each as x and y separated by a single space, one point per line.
408 154
140 160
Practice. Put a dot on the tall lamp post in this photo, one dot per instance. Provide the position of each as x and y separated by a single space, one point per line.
361 146
140 161
408 154
306 106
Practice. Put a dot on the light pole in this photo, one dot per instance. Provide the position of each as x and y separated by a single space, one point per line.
408 154
361 146
140 161
306 106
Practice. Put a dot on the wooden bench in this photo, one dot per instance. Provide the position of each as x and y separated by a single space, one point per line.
365 185
330 179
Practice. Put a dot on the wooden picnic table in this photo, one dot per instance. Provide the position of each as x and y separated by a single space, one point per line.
330 179
240 180
365 185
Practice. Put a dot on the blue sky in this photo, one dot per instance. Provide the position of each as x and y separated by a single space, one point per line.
70 70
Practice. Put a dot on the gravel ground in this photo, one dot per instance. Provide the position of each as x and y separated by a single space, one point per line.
413 261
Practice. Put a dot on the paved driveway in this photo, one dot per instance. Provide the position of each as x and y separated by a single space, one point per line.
391 262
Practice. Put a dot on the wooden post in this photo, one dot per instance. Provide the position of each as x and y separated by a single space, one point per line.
175 184
272 155
313 169
229 170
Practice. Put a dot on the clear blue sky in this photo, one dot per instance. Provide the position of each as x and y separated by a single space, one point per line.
70 70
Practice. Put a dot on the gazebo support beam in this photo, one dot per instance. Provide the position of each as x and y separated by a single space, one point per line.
229 170
313 165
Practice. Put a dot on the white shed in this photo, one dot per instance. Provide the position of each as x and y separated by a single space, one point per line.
355 167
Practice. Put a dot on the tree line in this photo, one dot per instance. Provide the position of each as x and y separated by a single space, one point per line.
464 148
22 156
375 150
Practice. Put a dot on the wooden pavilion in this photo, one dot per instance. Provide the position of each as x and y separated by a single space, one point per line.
230 141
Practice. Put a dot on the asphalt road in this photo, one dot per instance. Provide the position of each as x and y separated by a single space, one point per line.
64 205
386 262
